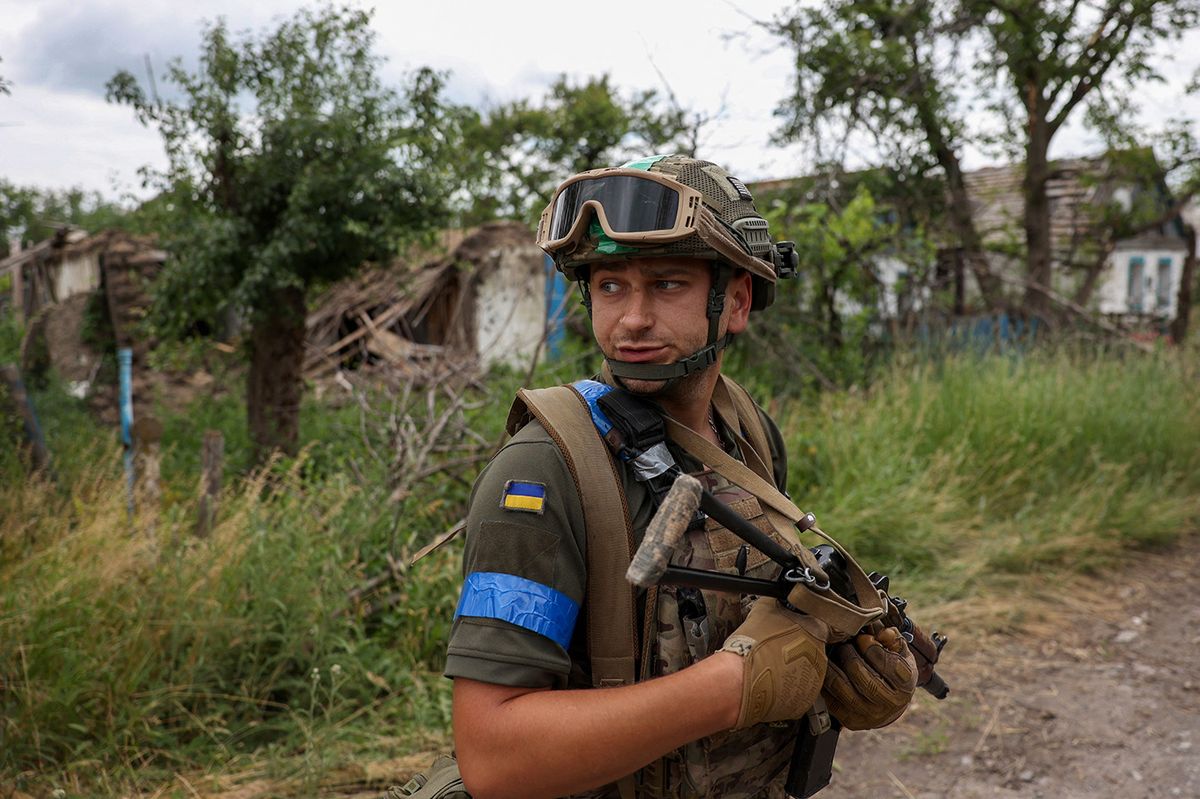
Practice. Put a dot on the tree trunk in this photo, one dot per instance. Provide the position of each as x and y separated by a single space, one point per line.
962 219
963 222
1183 307
1037 215
275 383
1083 294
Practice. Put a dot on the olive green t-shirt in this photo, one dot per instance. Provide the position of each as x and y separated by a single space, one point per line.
526 550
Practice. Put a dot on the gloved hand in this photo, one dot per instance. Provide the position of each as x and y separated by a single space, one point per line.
784 655
869 683
926 653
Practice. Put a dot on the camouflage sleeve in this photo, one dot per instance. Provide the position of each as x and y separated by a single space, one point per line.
524 569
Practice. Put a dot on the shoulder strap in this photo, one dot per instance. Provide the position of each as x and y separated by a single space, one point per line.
734 405
845 617
609 601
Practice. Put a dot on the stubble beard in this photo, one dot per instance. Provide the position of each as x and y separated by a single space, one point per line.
681 390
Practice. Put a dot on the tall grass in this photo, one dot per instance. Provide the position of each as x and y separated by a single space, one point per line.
130 651
143 648
965 473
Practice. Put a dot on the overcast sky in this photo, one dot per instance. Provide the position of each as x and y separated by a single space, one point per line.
57 131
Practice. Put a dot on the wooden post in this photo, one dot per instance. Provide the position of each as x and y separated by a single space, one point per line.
212 456
18 292
147 432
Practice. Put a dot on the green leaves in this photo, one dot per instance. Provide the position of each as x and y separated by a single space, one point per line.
290 164
514 154
33 214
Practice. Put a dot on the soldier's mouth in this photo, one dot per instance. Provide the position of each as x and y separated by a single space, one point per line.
641 354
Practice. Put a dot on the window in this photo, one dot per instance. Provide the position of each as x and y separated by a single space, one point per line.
1136 288
1162 288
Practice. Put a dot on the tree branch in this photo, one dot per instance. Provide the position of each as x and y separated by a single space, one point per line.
1092 69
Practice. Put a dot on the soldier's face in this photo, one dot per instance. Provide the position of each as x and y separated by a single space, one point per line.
653 310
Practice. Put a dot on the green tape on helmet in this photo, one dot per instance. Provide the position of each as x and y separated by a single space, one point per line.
606 245
643 163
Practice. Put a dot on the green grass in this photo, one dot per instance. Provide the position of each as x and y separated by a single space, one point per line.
130 652
962 474
10 339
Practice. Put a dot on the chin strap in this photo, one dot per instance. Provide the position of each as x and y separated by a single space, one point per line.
703 358
697 361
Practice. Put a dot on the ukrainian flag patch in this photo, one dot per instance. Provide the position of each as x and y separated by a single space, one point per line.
524 496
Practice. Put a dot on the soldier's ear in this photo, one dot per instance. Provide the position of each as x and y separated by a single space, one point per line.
738 296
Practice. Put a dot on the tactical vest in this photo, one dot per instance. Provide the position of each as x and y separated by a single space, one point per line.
733 764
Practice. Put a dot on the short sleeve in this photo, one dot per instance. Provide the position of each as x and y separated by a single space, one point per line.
524 569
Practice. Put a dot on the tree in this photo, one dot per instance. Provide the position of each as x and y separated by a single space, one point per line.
1173 167
882 67
30 214
516 153
832 320
290 165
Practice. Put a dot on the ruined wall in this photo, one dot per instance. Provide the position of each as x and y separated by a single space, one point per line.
510 308
78 273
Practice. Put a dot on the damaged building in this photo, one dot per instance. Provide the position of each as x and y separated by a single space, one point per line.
484 303
57 283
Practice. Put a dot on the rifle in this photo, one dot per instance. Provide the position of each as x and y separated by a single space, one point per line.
812 758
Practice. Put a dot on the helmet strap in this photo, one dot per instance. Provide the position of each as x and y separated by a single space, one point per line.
586 292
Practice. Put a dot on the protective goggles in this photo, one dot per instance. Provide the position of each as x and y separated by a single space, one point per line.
631 205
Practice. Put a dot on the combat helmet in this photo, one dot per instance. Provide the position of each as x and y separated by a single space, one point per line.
665 205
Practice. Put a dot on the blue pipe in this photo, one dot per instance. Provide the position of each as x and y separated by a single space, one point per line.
125 363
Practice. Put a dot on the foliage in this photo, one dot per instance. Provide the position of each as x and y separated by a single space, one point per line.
290 164
828 330
199 653
898 73
965 473
11 332
31 214
517 152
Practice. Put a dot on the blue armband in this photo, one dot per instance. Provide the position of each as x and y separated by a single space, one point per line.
516 600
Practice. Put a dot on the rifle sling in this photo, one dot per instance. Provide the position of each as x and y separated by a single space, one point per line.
844 617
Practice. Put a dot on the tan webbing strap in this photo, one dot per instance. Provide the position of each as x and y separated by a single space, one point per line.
842 615
711 455
739 412
609 600
748 415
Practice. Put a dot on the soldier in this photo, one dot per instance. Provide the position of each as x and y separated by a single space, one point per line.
671 258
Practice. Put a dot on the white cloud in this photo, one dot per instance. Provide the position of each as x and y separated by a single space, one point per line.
56 131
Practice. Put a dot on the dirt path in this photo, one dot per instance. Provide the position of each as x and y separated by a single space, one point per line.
1109 707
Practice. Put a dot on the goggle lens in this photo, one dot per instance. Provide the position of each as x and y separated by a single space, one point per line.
631 204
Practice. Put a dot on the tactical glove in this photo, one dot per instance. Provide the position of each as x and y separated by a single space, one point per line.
784 662
869 683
